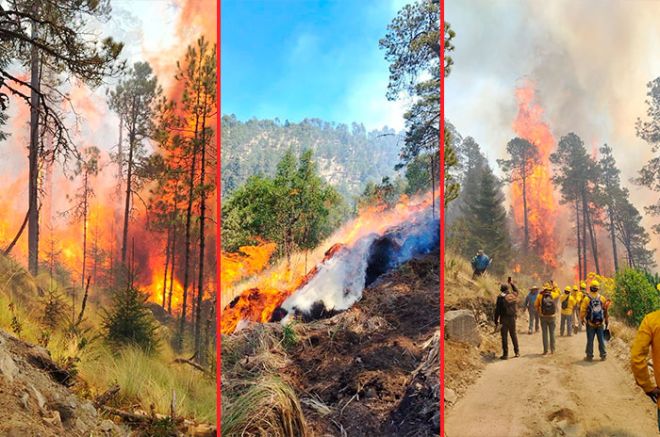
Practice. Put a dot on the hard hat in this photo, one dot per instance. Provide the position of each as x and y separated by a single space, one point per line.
568 288
583 284
547 286
536 287
594 283
575 288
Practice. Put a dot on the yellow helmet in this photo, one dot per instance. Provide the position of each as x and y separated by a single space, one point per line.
583 284
568 288
594 283
658 287
575 288
547 286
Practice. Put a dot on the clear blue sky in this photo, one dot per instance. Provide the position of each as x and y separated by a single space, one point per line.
294 59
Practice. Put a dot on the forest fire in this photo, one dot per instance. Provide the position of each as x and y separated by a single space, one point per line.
376 241
542 204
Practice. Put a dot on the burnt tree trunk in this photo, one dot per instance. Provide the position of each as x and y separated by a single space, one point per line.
167 262
592 236
129 180
201 357
615 255
85 207
33 156
579 242
172 263
525 220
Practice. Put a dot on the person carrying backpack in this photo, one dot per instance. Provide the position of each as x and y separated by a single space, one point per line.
480 263
594 314
648 336
505 313
546 305
577 297
567 302
530 301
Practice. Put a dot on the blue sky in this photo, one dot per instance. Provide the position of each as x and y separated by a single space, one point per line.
296 59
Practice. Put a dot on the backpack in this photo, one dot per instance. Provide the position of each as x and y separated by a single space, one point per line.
595 310
564 304
510 301
548 305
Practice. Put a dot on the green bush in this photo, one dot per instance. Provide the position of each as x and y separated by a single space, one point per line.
635 296
130 322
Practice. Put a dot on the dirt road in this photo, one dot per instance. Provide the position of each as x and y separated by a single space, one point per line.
554 395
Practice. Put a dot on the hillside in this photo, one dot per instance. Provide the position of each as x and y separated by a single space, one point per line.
370 370
64 378
348 156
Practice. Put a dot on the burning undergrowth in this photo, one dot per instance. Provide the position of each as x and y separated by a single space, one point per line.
370 370
370 248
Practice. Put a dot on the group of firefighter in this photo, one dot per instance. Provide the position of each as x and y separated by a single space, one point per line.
579 307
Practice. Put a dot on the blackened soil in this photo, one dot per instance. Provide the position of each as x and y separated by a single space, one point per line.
361 363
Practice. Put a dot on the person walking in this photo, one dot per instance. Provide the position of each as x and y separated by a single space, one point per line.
594 313
546 306
529 304
577 297
648 337
567 302
480 263
505 313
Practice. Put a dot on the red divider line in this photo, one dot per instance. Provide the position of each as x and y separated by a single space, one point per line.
442 216
218 240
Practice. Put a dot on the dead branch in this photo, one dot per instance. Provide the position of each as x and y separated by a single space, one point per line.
191 363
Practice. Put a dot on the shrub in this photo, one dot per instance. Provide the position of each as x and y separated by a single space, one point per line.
635 296
130 322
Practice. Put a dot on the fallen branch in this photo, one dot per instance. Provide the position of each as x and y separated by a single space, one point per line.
106 396
127 415
190 363
18 235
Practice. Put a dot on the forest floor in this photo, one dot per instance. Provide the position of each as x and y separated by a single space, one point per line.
537 395
554 395
371 370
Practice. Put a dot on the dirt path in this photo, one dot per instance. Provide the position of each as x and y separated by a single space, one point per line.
555 395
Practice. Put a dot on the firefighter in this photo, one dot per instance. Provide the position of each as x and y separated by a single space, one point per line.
593 313
546 305
505 313
567 308
648 336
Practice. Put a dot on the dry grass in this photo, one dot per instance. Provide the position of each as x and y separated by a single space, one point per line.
144 379
266 407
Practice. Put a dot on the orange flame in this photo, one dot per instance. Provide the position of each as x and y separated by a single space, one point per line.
261 296
542 205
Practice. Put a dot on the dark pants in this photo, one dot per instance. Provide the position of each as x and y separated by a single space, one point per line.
566 321
478 272
659 420
548 325
599 333
533 319
509 327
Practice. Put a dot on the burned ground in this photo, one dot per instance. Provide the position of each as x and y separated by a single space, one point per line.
371 370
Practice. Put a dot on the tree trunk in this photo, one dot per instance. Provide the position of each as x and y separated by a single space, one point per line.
526 223
585 263
169 298
33 176
613 237
129 179
579 242
201 357
592 237
433 184
167 262
84 260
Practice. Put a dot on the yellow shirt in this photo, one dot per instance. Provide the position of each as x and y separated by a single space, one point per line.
647 335
571 304
585 305
577 295
539 298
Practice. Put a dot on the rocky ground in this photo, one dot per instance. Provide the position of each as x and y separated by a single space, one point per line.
35 399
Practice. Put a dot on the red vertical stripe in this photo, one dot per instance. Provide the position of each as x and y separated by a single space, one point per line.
218 240
442 216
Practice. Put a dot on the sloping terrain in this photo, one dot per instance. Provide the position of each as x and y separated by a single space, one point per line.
34 399
371 370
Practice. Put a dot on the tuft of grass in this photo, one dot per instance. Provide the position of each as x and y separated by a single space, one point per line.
267 407
289 336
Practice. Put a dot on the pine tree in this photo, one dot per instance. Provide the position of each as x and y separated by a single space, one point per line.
130 322
649 131
486 219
